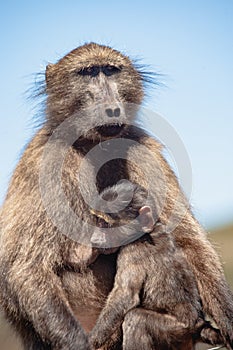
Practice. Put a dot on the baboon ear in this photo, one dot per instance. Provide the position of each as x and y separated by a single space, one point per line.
48 72
146 219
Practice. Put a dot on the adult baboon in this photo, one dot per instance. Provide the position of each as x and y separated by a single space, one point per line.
45 289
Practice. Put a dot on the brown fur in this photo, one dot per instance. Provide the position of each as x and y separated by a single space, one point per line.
154 286
42 287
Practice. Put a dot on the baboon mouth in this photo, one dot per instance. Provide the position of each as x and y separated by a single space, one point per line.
108 251
110 129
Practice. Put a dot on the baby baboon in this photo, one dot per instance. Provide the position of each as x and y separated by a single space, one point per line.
46 291
153 281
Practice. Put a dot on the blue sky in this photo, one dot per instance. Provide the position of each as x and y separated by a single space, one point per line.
191 42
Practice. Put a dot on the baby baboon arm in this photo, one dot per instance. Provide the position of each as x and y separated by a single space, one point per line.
123 297
81 255
44 305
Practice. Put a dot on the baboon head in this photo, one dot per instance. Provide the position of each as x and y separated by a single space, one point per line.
99 85
124 217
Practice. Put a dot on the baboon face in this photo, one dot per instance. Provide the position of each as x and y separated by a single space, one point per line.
97 84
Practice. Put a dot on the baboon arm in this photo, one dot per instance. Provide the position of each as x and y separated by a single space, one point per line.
43 303
217 298
150 330
123 297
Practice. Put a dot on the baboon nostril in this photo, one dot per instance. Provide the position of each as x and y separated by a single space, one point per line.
109 112
113 113
117 112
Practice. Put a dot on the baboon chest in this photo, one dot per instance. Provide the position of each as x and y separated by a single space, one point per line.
87 289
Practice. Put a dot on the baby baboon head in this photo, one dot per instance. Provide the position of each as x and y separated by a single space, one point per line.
124 216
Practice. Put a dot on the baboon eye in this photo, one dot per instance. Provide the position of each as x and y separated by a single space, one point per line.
92 71
110 70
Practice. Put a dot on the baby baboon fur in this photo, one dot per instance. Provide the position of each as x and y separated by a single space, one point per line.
45 290
153 280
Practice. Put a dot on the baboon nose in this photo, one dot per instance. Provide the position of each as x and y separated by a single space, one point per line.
113 112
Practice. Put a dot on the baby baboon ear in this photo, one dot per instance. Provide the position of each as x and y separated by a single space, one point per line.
146 219
48 72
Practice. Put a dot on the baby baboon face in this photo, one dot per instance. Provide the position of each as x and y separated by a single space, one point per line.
97 83
115 228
